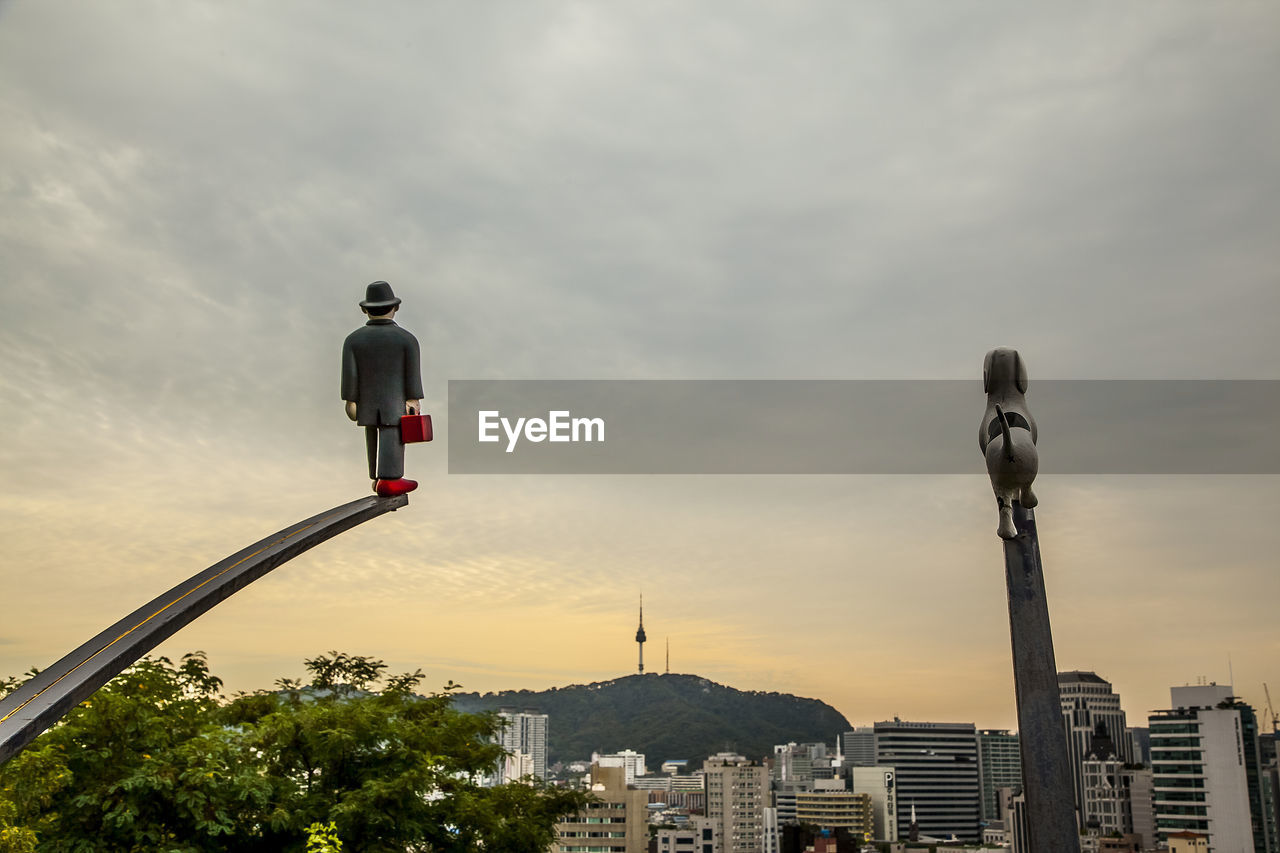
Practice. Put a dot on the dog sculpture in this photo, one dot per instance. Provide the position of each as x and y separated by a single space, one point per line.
1007 436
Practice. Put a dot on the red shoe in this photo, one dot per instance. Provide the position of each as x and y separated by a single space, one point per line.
391 488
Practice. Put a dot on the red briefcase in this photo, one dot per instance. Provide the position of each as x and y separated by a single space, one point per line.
415 428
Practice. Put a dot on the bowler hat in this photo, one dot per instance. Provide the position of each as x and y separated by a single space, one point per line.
379 295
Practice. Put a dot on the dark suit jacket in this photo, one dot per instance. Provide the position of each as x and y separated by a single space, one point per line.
380 370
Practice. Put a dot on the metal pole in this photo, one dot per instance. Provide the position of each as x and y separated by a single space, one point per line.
1046 770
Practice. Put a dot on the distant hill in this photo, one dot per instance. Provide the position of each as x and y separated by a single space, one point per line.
666 717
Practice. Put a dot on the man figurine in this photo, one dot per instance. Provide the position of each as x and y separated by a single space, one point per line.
381 381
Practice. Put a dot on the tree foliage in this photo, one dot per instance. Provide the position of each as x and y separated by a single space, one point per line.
352 757
323 838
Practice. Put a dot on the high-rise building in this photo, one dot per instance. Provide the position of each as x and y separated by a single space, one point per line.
1271 777
784 798
628 759
737 794
524 733
514 766
772 832
688 782
1092 716
859 746
936 768
1114 795
1142 803
1000 832
879 782
999 766
616 821
1117 799
1141 744
651 782
800 762
1019 825
1205 770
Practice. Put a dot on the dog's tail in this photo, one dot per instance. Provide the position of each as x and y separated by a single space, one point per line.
1004 431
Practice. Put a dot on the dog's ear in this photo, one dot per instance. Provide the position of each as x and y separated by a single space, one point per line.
986 372
1020 372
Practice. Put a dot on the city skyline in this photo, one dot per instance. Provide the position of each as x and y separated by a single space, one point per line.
193 207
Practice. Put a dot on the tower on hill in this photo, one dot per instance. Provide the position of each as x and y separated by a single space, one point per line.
640 638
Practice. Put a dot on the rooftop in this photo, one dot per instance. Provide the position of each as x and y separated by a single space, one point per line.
1077 675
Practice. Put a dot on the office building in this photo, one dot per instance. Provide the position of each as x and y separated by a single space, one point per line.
628 759
1205 771
692 801
784 798
737 795
800 762
792 763
936 773
1271 779
859 746
878 782
688 782
1141 803
1091 711
1016 824
835 809
514 766
651 782
772 842
999 766
1117 798
994 834
616 822
1141 740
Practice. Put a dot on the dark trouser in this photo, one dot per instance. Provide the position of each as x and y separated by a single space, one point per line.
386 452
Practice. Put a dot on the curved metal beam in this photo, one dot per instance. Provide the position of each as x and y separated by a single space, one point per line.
45 699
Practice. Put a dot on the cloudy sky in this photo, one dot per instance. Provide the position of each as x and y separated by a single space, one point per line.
193 196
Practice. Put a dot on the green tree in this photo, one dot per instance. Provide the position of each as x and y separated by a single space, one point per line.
323 838
13 839
139 765
154 761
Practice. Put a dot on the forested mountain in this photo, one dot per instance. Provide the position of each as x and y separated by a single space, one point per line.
666 717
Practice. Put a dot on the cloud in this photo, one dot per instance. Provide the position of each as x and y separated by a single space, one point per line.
193 199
